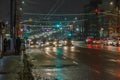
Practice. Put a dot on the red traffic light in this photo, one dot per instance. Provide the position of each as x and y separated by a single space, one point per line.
96 10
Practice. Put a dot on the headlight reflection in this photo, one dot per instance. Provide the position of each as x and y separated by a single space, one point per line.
72 48
65 47
54 49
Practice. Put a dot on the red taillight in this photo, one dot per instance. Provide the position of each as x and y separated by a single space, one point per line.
89 39
119 42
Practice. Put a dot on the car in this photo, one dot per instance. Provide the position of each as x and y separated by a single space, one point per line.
49 42
108 41
63 42
34 44
68 42
116 42
89 39
97 41
57 43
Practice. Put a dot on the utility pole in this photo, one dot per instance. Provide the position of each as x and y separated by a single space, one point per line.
118 13
118 20
12 24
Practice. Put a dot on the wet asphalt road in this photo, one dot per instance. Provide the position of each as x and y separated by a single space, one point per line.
83 62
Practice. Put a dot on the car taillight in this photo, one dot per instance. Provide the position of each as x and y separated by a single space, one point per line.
47 43
89 39
119 42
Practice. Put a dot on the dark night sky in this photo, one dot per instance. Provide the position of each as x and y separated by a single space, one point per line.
4 9
44 6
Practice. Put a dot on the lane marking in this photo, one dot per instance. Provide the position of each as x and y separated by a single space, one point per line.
75 62
64 57
112 60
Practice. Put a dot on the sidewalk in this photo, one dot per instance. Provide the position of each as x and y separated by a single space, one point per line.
9 67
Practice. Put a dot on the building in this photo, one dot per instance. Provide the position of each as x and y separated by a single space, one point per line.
2 35
91 25
110 17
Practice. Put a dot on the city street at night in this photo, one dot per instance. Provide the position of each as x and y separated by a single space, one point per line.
85 62
59 39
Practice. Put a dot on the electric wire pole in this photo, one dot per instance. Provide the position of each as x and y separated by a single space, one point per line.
12 24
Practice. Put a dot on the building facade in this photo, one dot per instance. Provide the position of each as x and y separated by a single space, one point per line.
108 18
91 25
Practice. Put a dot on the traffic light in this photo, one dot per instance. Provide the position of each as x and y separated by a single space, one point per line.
58 25
69 34
96 10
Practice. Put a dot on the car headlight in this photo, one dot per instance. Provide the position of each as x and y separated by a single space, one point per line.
54 42
72 41
65 42
37 42
47 43
31 42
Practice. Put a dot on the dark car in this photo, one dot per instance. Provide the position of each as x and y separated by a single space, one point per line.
68 42
34 44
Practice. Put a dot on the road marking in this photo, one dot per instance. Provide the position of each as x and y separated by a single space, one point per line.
112 60
75 62
64 57
77 50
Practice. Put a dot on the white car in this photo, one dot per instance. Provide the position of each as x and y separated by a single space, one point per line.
116 43
108 42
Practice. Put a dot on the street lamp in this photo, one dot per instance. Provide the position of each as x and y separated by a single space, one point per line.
20 9
111 3
23 2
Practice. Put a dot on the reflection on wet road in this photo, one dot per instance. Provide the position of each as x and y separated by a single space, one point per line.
88 62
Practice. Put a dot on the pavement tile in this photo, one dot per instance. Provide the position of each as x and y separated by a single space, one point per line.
8 76
9 67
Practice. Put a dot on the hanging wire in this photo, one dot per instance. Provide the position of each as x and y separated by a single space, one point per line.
52 8
57 7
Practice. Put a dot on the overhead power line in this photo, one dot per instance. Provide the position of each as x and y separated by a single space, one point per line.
54 21
38 14
52 8
58 6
